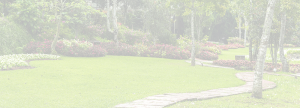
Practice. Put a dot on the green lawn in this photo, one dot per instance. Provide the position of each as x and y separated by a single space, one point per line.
105 82
230 54
285 95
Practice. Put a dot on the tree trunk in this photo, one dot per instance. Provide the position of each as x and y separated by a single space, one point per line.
115 19
285 67
251 32
58 22
246 30
240 26
257 84
199 29
108 16
193 39
250 49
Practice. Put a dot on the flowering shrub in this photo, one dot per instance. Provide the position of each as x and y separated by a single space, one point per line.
293 51
209 44
67 47
223 47
288 45
231 46
93 30
184 42
17 60
295 41
38 47
206 55
214 50
235 63
166 51
132 37
235 40
239 45
294 68
159 51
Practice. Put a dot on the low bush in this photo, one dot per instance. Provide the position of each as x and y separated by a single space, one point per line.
206 55
235 40
288 45
13 37
293 52
215 50
294 68
223 47
19 60
295 41
167 51
132 37
74 48
235 63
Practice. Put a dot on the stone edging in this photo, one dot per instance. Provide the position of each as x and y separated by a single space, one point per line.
160 101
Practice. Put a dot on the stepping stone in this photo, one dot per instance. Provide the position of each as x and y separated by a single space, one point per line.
160 101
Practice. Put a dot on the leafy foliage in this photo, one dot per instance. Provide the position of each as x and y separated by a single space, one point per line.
18 60
13 37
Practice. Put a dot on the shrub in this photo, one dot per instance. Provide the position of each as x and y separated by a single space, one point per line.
294 68
289 45
295 41
232 46
19 60
166 51
38 47
132 37
235 63
223 47
293 52
209 44
215 50
206 55
184 42
74 48
93 30
235 40
12 36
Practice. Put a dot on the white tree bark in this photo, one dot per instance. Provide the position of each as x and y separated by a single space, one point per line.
240 26
246 30
115 22
108 16
285 67
58 22
257 84
193 39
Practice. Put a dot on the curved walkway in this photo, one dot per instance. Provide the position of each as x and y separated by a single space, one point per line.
160 101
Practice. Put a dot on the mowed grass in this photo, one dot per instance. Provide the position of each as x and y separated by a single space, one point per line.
285 95
105 82
230 53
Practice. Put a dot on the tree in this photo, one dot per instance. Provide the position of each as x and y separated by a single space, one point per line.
281 42
192 6
115 30
257 84
60 8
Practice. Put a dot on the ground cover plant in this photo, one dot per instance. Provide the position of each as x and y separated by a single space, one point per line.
19 60
285 95
92 82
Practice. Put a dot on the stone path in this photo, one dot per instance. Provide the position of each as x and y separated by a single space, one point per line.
160 101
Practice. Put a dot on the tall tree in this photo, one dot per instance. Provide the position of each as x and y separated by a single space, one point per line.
115 30
257 84
281 42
